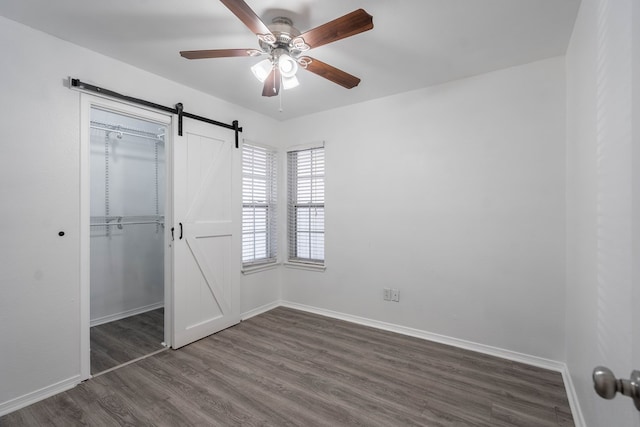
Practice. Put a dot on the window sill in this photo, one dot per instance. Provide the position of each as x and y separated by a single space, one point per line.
257 268
305 266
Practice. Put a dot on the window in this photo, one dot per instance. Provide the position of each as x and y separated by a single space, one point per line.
305 185
259 232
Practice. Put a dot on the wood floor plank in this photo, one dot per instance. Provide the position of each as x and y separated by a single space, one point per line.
381 384
522 416
563 416
154 402
248 405
301 392
394 371
240 383
190 391
504 387
291 368
26 416
121 341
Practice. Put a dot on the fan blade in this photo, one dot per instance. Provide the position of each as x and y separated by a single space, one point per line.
250 19
272 83
218 53
348 25
340 77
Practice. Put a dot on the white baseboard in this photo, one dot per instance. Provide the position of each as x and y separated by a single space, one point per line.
35 396
539 362
578 418
429 336
125 314
574 403
259 310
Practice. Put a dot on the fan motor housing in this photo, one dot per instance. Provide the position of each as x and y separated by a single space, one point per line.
283 30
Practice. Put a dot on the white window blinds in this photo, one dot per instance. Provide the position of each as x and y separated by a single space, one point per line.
259 232
305 173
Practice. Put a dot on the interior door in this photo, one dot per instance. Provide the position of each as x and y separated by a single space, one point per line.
618 232
206 235
635 189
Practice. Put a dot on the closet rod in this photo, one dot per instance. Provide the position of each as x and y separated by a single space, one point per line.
134 217
156 138
102 224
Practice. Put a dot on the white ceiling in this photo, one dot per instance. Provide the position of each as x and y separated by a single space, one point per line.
414 43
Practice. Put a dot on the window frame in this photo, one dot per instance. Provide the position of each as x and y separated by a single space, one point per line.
293 206
270 205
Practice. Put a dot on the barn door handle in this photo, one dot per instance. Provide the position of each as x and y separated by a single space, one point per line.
172 228
180 230
607 385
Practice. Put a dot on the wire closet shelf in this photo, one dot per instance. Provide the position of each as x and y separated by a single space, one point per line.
119 131
119 221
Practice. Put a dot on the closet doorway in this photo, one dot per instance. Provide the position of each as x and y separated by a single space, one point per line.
127 237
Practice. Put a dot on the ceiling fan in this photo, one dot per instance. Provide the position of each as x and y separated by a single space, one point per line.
285 47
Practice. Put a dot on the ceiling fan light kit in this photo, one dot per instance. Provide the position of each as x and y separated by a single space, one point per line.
288 66
285 45
290 82
262 69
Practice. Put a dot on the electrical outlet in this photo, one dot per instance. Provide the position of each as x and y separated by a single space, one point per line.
386 294
395 295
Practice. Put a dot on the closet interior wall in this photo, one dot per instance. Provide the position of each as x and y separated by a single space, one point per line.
127 216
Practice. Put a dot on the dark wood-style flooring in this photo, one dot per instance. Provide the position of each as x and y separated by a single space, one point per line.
290 368
124 340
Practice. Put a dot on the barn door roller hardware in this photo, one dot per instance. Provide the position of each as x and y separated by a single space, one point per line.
178 109
607 385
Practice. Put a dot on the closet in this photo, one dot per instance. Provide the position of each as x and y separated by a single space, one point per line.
127 203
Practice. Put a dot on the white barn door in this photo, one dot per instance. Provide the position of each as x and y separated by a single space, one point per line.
206 236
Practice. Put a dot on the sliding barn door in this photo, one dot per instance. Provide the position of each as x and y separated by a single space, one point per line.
206 232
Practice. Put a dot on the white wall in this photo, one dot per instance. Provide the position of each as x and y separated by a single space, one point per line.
39 189
601 313
454 195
